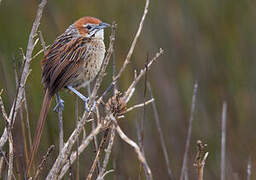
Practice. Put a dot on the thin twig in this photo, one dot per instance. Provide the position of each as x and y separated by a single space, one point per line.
103 140
19 133
10 166
107 172
26 70
81 148
1 165
42 42
223 139
128 57
138 129
27 121
160 132
107 155
7 120
95 140
137 150
131 89
201 174
140 132
192 112
138 106
42 164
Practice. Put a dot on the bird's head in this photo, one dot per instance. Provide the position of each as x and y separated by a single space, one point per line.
91 27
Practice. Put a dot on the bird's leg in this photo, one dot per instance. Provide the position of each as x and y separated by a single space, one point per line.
85 99
59 104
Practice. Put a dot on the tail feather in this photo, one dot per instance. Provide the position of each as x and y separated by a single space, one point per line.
40 124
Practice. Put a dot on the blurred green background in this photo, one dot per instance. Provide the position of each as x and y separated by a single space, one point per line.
210 41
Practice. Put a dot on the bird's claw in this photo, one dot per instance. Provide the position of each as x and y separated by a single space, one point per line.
59 106
86 105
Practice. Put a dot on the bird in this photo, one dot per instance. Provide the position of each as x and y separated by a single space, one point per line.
71 62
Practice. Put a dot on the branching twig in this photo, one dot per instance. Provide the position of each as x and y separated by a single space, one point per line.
137 150
130 90
26 70
192 112
138 106
81 148
107 172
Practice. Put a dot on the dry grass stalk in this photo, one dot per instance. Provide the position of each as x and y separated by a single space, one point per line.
200 159
192 112
160 132
223 140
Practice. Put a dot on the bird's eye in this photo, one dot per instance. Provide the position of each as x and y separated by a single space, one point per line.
89 27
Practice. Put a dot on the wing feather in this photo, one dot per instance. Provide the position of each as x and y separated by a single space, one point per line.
62 62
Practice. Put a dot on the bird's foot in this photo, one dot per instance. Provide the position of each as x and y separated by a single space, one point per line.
59 106
86 107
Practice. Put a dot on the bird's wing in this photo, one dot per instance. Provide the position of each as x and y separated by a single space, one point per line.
62 62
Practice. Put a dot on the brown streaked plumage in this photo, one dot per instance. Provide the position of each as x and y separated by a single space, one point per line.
73 60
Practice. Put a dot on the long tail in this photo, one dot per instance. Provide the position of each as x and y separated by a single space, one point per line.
40 125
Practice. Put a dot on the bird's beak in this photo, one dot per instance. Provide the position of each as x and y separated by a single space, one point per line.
98 28
103 25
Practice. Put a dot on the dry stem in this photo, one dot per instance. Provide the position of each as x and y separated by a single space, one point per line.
81 148
136 149
160 132
200 159
223 140
184 164
107 155
10 166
